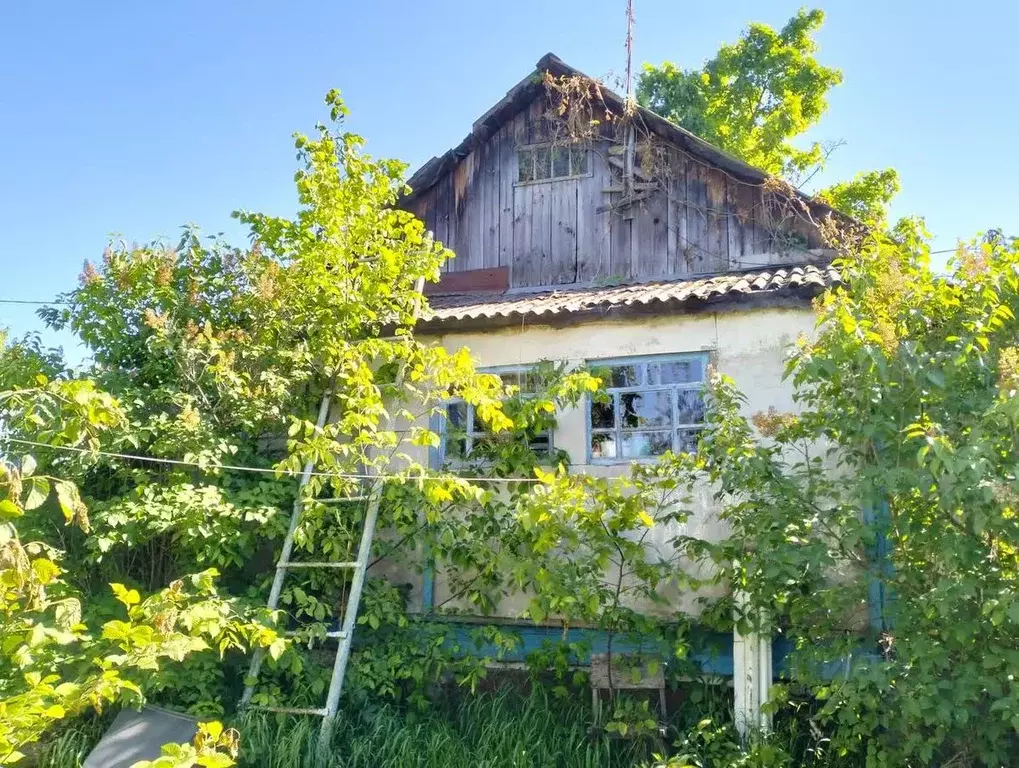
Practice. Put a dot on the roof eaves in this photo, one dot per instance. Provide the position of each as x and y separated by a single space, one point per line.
795 284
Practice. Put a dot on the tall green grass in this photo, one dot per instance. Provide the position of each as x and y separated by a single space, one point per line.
492 730
484 731
68 747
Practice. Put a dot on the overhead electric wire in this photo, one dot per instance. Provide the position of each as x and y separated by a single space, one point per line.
43 303
267 470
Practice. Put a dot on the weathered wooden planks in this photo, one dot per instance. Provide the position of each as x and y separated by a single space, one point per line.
650 236
522 266
678 238
701 221
560 267
488 204
695 243
539 242
716 239
593 248
507 176
734 226
620 247
465 207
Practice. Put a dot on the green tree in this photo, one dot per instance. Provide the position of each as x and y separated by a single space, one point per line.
896 478
51 666
219 356
755 97
865 197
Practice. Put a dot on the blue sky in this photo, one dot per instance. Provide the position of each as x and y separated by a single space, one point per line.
137 117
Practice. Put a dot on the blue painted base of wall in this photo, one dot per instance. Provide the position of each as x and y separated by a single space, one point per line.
714 657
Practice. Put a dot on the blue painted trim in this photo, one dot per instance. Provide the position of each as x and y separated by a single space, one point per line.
436 458
663 357
437 454
713 654
587 430
878 594
428 589
714 659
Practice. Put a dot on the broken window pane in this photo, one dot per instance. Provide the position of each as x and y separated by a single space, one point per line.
624 376
560 162
646 409
525 165
603 445
603 415
637 444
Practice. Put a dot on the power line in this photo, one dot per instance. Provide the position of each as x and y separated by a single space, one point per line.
266 470
43 303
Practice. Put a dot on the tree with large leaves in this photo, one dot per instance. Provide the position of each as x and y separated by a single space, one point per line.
755 97
218 358
877 527
52 666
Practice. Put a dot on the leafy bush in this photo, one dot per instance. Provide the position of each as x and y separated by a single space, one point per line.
51 666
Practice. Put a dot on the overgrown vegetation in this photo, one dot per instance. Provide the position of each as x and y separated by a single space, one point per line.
51 666
509 727
896 477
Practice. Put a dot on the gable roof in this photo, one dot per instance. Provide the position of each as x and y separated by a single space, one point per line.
463 311
524 92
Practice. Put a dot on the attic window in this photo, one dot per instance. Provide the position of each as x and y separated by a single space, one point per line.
545 162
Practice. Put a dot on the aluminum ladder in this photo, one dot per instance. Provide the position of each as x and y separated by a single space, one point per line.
370 491
370 488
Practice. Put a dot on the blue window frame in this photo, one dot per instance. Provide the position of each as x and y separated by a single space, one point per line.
460 431
650 405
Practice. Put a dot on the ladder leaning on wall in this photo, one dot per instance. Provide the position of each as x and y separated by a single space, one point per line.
370 491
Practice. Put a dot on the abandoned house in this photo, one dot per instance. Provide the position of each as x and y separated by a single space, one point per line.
591 231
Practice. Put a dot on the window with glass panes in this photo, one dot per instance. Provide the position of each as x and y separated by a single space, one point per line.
464 431
546 162
650 406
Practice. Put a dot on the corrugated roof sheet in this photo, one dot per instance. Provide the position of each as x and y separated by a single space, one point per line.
547 304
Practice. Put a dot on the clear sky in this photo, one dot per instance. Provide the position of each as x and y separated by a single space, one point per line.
136 117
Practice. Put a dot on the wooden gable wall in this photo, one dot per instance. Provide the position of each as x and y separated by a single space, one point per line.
557 232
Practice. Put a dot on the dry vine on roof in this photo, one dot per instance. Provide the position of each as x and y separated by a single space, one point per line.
644 165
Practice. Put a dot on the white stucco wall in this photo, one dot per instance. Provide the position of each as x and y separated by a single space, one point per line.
750 346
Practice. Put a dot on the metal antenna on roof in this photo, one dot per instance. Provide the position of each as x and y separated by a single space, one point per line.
629 109
629 47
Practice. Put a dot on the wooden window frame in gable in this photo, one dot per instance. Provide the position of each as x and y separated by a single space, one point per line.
571 150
